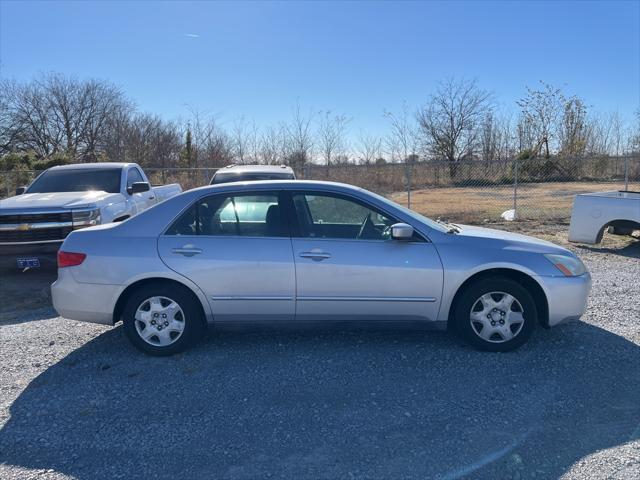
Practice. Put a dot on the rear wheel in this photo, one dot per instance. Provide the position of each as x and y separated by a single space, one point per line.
495 314
162 319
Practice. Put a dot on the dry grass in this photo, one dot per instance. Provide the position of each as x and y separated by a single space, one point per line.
479 204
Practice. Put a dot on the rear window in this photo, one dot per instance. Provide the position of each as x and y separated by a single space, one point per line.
77 180
226 177
248 215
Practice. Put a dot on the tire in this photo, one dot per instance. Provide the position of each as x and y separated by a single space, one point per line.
485 316
619 230
171 329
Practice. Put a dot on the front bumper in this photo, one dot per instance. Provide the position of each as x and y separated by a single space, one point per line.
566 296
46 253
86 302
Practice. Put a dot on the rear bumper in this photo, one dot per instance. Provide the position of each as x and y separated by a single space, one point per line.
86 302
566 296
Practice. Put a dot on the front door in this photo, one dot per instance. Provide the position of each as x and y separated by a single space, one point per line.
143 200
237 249
348 267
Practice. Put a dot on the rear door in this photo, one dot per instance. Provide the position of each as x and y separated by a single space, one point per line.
236 247
348 267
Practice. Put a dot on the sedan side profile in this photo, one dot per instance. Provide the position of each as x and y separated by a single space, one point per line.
301 251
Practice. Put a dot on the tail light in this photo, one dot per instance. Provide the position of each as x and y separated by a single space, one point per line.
70 259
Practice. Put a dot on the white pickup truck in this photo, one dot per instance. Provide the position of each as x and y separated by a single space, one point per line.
34 223
593 212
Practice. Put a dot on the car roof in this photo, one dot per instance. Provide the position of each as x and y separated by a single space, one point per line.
255 168
92 166
279 184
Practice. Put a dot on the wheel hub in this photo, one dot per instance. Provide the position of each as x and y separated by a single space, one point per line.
159 321
497 317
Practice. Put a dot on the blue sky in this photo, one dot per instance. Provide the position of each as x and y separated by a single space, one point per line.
360 58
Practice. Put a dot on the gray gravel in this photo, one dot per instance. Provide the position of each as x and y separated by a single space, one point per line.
76 401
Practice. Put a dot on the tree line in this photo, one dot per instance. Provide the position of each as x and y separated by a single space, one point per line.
57 119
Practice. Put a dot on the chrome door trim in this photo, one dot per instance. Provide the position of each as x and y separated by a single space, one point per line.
369 299
232 297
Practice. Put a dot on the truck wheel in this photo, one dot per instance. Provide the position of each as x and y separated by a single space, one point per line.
161 319
495 314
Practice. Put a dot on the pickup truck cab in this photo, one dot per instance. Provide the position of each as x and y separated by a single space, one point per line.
61 199
252 173
593 212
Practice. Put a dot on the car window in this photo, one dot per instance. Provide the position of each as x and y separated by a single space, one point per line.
233 215
248 176
133 176
332 216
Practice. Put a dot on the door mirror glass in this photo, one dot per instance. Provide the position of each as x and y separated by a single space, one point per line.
20 190
138 187
401 231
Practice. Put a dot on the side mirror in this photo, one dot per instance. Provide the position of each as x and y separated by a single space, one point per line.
401 231
138 187
20 190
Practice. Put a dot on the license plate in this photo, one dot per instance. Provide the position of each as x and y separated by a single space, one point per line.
28 262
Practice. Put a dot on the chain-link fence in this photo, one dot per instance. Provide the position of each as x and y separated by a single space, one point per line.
468 191
479 191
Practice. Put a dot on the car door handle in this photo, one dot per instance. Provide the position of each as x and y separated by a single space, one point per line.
187 250
316 255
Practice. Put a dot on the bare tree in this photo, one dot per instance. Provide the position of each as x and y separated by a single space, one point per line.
299 139
540 111
403 140
634 135
12 131
211 145
369 148
331 134
490 139
618 133
451 119
244 138
55 113
573 130
273 145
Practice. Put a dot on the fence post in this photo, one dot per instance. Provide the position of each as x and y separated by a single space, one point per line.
515 188
626 173
408 173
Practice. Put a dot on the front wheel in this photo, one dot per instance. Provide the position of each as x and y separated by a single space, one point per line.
495 314
162 319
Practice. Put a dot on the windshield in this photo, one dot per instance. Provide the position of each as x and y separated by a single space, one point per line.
77 180
244 177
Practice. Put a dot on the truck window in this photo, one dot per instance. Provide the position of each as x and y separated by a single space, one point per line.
77 180
133 176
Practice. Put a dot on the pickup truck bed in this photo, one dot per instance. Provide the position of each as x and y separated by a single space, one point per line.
593 212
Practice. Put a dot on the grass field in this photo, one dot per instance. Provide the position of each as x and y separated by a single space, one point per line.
480 204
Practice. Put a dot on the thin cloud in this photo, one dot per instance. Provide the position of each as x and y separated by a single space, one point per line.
191 35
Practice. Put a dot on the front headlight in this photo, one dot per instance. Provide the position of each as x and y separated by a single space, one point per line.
569 266
86 218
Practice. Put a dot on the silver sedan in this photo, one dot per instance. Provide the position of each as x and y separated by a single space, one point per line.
298 251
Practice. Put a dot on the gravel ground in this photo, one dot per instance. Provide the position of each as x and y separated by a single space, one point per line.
76 401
